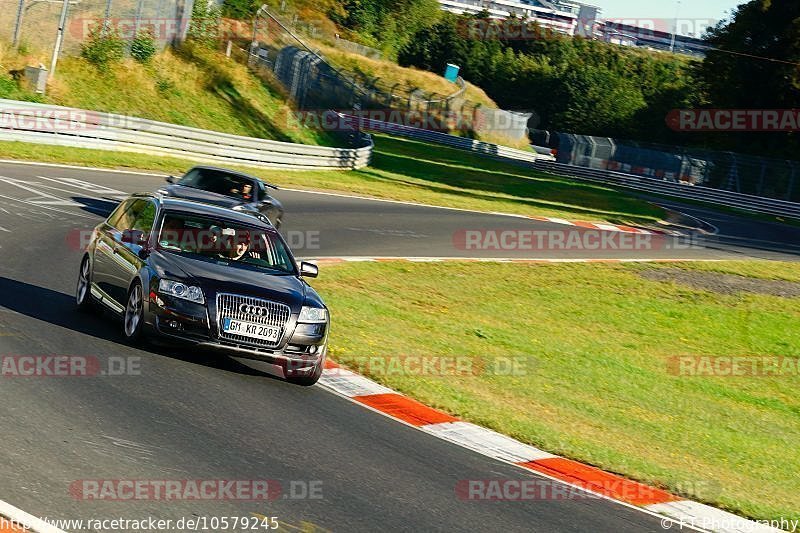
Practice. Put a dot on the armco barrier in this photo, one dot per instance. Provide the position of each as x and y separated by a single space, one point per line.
663 187
483 148
46 124
673 189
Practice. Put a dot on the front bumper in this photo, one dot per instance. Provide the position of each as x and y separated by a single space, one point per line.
302 349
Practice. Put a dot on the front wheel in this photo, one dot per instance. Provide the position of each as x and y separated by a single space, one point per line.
83 298
134 314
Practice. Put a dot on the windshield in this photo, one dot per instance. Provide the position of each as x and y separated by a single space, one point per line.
223 241
220 182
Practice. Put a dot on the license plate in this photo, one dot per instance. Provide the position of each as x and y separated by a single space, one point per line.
251 329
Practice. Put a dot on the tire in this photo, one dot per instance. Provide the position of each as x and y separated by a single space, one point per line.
133 319
83 293
307 380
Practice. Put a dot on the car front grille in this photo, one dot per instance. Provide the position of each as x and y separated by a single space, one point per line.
256 310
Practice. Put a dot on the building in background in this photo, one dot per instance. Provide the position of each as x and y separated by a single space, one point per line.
577 19
625 34
562 16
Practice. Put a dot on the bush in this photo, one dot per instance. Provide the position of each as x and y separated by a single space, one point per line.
240 9
8 86
143 46
204 26
103 48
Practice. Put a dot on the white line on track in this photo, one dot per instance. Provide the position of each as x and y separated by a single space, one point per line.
77 167
84 186
289 189
45 206
82 192
43 198
21 517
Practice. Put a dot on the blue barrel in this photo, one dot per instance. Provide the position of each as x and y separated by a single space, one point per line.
451 72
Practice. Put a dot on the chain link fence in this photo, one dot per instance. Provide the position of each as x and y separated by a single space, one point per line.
33 24
355 48
316 84
759 176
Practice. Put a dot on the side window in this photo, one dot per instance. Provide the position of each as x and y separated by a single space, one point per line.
137 209
113 218
145 217
191 179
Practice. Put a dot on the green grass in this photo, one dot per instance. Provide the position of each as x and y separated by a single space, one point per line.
191 87
596 339
409 171
389 72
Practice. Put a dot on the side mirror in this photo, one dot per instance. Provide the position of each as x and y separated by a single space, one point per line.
170 179
133 236
308 270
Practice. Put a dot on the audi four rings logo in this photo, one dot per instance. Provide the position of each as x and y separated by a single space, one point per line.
253 310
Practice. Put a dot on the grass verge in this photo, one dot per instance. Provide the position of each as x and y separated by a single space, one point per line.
596 341
390 72
408 171
190 86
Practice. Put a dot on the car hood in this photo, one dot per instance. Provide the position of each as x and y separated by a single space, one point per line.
215 278
199 195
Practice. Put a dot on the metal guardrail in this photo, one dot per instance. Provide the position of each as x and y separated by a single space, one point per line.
672 189
495 151
56 125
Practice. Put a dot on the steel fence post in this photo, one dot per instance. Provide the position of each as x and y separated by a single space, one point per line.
106 16
18 23
763 175
138 20
59 37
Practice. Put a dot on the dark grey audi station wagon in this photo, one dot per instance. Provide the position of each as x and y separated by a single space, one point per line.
188 272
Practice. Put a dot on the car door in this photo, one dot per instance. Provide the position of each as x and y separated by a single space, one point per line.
104 260
125 257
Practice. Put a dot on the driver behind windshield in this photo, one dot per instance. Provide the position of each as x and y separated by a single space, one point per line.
236 245
211 239
243 191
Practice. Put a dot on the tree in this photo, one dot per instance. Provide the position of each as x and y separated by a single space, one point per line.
388 24
766 28
574 85
755 65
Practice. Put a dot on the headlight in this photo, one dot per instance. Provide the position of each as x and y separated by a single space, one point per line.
312 315
181 290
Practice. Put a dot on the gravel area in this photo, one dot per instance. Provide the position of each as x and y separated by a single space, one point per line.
724 283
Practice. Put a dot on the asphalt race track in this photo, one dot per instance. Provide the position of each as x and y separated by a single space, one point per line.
195 416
